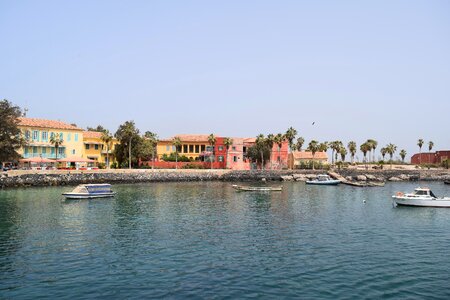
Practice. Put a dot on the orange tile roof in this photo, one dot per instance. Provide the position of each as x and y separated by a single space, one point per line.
33 122
189 138
92 134
308 155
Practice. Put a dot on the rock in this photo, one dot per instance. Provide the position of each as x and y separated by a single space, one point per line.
361 178
403 177
349 178
287 178
371 177
393 178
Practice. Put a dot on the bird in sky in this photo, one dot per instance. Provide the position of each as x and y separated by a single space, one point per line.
313 123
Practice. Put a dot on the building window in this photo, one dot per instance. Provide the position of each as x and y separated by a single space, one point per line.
96 147
235 158
197 149
61 136
167 148
220 148
35 150
25 150
202 148
220 158
76 137
44 150
69 137
191 148
210 148
35 135
278 159
53 151
185 148
233 148
44 136
60 151
73 151
86 146
52 135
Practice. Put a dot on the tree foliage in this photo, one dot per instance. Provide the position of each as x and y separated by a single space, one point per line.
129 143
10 136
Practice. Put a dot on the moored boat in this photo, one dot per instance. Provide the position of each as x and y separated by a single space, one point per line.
421 197
86 191
447 182
257 188
323 180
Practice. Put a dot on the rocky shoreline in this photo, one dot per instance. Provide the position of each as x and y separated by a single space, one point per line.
359 177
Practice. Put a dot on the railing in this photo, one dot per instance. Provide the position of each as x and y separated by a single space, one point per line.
43 155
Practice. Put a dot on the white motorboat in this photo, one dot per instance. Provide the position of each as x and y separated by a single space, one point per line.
323 180
86 191
421 197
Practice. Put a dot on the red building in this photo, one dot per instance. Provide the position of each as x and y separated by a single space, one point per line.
437 157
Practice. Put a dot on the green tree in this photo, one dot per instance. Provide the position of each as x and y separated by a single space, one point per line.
270 140
335 147
176 141
254 153
290 136
11 138
300 142
313 146
153 140
99 128
373 145
420 144
430 145
403 155
279 138
260 144
391 148
107 139
364 149
212 141
126 133
352 149
323 147
343 153
383 152
56 140
227 142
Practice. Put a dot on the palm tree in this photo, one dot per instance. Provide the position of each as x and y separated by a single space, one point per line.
290 136
212 141
373 146
153 138
383 152
403 154
420 144
300 142
176 141
370 147
352 149
260 142
391 148
430 145
227 142
364 149
279 138
270 140
56 140
335 147
313 146
343 153
323 147
107 139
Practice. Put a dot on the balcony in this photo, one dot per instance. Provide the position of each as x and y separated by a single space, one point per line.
44 155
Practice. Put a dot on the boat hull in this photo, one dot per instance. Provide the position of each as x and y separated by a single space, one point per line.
257 188
88 196
444 202
328 182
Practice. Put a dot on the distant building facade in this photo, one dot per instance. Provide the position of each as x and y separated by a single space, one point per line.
96 149
437 157
38 132
296 158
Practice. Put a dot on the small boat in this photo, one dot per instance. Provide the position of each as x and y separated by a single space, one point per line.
447 182
421 197
323 180
86 191
257 188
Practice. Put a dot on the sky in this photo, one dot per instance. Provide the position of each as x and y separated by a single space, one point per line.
358 69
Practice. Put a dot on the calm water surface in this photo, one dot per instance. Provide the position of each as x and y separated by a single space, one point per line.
204 240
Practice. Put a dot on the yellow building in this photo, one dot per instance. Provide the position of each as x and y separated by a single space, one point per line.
192 146
95 148
38 132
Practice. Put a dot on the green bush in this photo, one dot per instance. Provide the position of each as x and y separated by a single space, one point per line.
194 166
308 165
101 165
172 157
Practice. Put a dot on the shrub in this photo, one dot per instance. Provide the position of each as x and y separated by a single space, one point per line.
193 166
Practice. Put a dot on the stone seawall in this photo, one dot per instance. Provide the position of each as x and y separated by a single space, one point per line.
55 178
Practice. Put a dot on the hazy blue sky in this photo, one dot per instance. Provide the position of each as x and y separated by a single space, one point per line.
359 69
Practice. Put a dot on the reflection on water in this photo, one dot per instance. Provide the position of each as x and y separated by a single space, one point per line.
205 240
